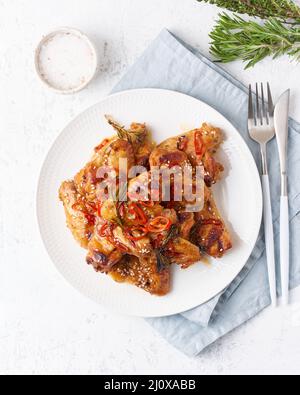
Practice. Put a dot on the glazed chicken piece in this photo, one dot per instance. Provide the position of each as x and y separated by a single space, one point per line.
102 254
108 247
211 139
78 220
139 266
196 147
144 273
171 247
135 263
210 232
183 253
108 157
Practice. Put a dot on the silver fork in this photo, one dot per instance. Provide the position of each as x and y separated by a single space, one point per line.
262 130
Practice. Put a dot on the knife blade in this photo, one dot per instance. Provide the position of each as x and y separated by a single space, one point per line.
281 119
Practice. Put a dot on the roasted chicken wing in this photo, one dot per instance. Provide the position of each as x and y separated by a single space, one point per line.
210 232
196 147
146 273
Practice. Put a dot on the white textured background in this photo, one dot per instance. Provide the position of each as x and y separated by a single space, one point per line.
45 326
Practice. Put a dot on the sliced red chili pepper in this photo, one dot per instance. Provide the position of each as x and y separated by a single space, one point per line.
103 230
99 208
138 213
132 234
106 230
122 210
88 210
199 144
91 207
159 224
90 218
78 206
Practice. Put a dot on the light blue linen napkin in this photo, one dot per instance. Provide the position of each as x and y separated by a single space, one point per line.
171 64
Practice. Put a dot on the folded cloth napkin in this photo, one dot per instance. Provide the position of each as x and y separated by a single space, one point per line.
171 64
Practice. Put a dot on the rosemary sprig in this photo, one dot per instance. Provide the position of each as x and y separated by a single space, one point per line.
162 260
283 9
122 133
235 38
172 235
114 209
132 136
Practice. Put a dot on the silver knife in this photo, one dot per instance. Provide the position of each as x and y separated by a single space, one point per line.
281 118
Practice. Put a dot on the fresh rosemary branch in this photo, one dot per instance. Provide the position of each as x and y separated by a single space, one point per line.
283 9
235 38
132 136
123 134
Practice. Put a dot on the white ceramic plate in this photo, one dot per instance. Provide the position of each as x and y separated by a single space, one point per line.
238 196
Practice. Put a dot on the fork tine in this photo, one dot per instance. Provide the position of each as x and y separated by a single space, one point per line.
270 102
251 114
264 110
258 109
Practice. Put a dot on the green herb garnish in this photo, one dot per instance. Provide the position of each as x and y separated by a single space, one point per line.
285 9
132 136
235 38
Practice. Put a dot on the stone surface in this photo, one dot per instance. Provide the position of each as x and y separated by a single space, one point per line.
46 327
